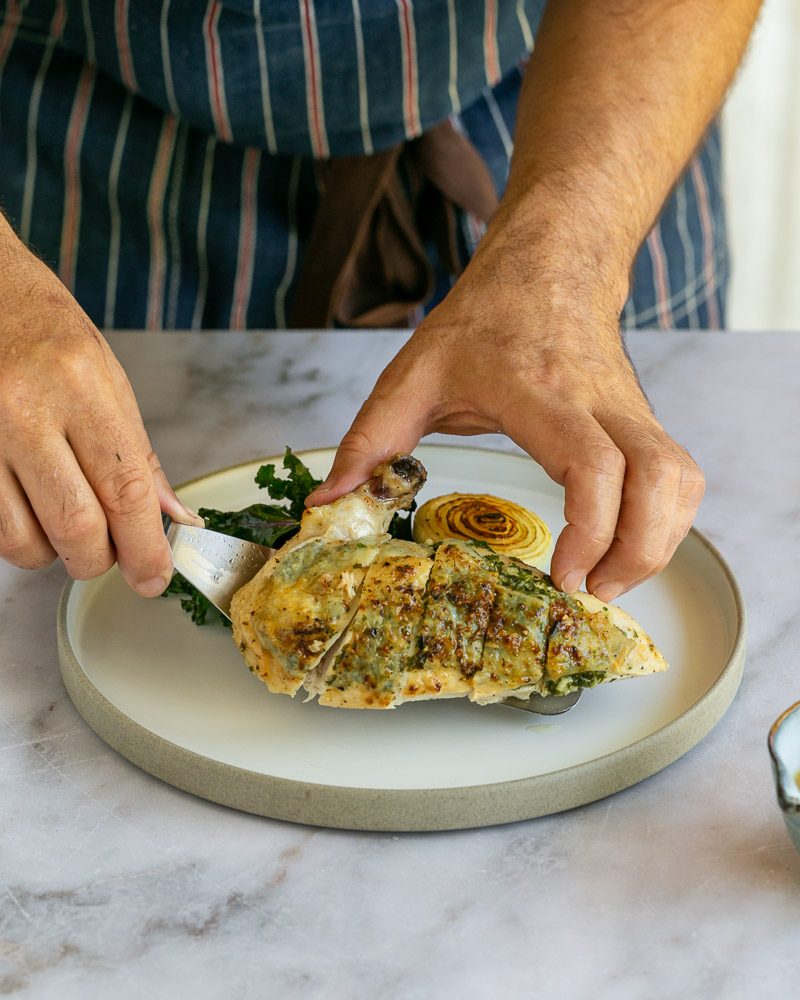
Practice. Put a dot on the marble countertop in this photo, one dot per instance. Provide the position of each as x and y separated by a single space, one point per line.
112 883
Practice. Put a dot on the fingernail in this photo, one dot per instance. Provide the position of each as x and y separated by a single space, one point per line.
608 591
193 516
325 487
571 581
152 588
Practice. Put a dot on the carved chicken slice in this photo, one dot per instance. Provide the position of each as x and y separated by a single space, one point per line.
515 643
457 605
296 607
369 667
542 640
366 621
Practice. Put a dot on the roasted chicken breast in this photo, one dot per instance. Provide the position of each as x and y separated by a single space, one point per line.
367 621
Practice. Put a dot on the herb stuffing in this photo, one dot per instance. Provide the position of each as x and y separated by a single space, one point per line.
268 524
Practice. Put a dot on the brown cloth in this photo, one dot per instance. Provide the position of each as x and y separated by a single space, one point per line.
365 264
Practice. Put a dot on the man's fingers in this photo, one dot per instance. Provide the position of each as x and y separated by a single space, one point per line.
67 509
576 452
662 491
168 501
690 496
387 423
631 493
593 487
641 545
22 541
123 482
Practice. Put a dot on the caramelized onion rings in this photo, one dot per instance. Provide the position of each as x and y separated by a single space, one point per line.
506 526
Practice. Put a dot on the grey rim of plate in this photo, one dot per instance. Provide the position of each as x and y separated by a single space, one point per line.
400 810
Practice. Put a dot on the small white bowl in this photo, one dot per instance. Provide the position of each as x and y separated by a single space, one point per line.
784 749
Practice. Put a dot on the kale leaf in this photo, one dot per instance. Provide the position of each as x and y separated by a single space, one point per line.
400 525
294 488
260 522
202 611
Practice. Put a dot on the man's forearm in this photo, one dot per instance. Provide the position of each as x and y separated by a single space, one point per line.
617 96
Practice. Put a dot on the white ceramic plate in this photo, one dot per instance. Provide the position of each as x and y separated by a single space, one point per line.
179 702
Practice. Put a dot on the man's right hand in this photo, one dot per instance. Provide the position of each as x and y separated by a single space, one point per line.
78 476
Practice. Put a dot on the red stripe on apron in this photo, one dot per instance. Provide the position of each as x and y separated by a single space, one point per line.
155 222
244 266
659 259
410 110
490 55
706 225
216 81
70 229
319 140
124 45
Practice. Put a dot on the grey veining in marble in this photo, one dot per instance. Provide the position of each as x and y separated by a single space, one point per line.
114 884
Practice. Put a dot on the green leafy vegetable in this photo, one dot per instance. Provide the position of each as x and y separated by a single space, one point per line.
400 525
202 611
571 682
294 488
260 522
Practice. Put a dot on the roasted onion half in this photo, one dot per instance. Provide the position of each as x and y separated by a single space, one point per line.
506 526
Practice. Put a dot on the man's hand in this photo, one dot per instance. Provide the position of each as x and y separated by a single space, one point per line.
486 360
78 476
616 97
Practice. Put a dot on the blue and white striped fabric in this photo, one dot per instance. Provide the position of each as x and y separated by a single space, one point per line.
160 154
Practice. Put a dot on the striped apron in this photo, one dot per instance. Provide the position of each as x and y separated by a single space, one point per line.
160 154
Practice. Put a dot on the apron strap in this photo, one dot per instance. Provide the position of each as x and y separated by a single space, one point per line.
365 264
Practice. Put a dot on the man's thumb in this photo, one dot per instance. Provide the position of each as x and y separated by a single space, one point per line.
382 428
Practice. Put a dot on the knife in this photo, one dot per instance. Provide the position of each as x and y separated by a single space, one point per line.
218 565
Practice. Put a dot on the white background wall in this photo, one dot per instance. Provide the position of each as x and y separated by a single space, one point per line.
762 147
